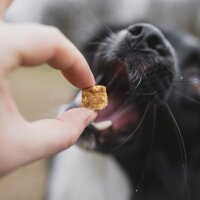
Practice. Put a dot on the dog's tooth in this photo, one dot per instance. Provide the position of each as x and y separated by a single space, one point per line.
101 126
78 98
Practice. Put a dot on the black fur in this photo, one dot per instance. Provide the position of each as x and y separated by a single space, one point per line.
159 73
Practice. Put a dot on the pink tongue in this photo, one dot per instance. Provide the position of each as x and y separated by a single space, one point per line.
122 116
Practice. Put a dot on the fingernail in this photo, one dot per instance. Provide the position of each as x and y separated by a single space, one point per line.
91 116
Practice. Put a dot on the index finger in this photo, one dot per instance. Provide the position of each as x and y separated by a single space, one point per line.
33 44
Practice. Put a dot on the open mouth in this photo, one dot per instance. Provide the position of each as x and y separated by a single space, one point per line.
121 114
136 75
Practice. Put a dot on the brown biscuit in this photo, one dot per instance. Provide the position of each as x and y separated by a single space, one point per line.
95 97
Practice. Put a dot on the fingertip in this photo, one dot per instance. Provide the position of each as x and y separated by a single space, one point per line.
91 81
79 74
77 119
83 115
91 115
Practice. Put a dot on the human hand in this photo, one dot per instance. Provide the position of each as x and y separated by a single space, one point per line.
21 141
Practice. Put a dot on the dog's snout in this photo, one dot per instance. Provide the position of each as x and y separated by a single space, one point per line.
145 36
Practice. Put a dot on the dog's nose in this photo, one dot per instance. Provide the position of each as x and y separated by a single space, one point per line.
145 36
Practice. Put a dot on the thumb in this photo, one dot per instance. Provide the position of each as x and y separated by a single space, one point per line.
52 135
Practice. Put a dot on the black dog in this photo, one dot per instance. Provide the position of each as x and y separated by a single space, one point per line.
151 125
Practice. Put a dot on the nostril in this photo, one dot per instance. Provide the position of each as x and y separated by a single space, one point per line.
135 30
154 41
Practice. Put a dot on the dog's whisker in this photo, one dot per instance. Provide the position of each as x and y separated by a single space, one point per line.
108 30
132 133
135 76
154 127
99 78
121 109
182 149
113 79
181 91
138 187
182 79
101 54
140 79
189 98
184 89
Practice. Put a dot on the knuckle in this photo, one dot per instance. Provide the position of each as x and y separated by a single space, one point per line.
56 36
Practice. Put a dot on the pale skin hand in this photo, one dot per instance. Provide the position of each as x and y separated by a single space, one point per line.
21 141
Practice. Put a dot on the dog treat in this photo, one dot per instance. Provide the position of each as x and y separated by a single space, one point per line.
95 97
